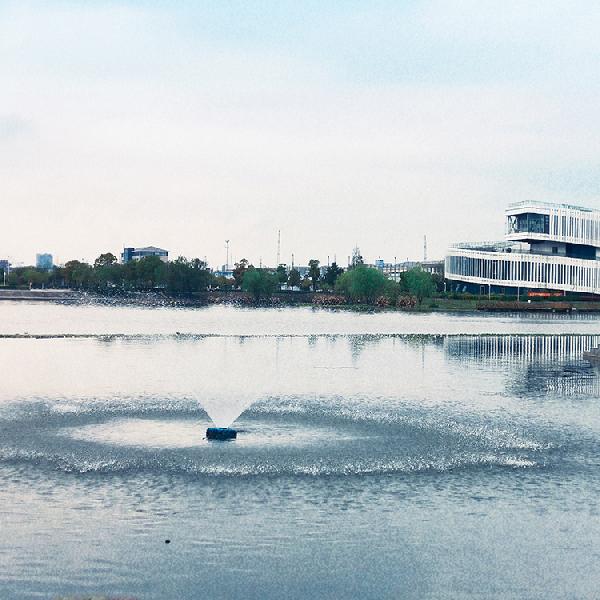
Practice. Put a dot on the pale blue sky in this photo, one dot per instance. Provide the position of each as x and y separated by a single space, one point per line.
184 124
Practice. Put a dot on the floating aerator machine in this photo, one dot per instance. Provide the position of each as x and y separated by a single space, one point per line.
221 433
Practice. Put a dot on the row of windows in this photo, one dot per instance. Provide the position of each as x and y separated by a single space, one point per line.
585 228
576 227
527 272
529 222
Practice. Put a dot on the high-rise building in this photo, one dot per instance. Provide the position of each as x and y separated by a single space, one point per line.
130 254
44 261
547 248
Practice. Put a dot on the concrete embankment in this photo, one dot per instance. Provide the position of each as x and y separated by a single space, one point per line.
512 306
38 295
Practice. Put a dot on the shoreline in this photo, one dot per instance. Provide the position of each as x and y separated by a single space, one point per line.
293 299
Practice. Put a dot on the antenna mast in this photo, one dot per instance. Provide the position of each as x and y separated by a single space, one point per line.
278 247
424 247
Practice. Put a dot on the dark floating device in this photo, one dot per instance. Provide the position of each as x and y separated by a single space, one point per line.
221 433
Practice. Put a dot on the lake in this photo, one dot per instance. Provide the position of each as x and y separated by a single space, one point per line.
379 455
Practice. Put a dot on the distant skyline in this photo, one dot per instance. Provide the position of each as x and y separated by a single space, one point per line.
181 125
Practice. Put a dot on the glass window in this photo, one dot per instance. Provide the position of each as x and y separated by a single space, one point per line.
529 223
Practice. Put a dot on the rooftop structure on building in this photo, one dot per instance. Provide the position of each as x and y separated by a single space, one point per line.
130 254
547 248
44 261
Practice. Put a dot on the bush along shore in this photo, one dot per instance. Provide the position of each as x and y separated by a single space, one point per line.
189 282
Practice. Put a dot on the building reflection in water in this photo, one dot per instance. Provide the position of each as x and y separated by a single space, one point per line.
534 363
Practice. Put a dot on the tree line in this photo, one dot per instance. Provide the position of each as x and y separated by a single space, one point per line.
358 283
179 276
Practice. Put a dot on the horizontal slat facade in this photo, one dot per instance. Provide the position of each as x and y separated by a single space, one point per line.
523 270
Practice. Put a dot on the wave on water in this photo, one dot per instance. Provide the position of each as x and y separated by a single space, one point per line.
72 462
278 437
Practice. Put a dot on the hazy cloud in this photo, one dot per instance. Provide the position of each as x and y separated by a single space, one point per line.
372 123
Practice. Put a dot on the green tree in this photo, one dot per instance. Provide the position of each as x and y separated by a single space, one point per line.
357 259
188 276
225 283
418 283
105 260
392 290
294 278
362 284
35 277
57 277
12 278
107 270
282 275
179 278
151 272
438 281
129 276
78 274
261 283
306 284
314 272
239 271
332 273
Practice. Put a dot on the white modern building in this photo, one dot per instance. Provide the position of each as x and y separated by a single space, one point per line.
547 248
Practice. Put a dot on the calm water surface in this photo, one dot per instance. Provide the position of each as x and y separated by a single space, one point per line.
384 455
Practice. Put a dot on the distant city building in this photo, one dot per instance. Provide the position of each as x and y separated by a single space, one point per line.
224 271
304 271
130 254
435 267
44 261
548 249
395 270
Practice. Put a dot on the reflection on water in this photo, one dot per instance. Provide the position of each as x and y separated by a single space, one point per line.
20 317
446 463
521 348
538 364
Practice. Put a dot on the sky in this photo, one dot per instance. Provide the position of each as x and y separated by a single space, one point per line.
183 124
